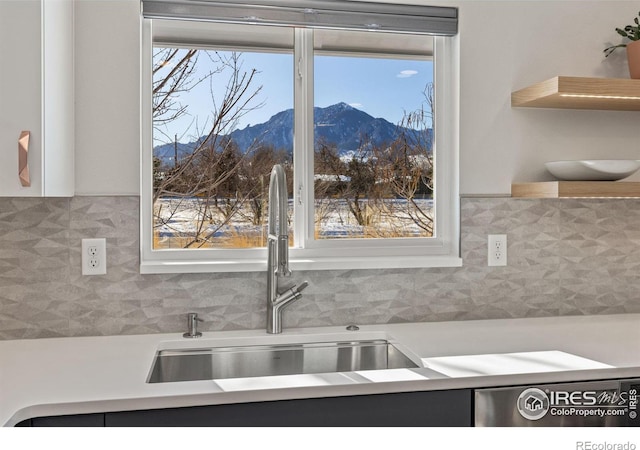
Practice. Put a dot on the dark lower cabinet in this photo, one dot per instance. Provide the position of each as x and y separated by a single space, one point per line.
77 420
411 409
80 420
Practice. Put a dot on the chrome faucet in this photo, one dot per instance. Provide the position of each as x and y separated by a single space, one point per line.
278 252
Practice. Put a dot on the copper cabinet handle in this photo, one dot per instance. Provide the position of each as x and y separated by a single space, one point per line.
23 160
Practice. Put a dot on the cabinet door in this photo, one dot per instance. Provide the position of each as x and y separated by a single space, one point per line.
81 420
37 95
416 409
20 92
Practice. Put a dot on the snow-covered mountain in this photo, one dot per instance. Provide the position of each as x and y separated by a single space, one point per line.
341 124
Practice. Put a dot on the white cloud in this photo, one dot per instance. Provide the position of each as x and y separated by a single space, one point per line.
356 105
407 73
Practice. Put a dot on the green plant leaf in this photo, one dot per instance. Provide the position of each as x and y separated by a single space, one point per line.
629 31
621 32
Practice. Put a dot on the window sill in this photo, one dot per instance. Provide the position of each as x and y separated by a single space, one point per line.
301 264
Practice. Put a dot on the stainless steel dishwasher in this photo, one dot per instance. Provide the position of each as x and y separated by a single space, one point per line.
611 403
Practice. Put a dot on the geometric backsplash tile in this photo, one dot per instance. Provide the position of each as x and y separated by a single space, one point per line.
566 257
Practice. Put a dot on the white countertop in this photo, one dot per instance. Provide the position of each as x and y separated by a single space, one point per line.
46 377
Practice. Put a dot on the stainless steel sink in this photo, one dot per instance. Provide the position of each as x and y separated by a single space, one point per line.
266 360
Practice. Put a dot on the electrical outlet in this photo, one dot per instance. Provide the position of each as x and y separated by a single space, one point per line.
94 256
497 250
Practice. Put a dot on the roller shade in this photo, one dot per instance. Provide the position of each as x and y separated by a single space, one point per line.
331 14
187 33
363 42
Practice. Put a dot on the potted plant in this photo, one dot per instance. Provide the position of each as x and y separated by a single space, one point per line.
632 32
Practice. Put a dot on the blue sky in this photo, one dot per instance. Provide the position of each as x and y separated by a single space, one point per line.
381 87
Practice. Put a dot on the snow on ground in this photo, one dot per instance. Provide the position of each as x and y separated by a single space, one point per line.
181 217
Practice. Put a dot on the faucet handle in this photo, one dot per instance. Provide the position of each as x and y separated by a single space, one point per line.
192 326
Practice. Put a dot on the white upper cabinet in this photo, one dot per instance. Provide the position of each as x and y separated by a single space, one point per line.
36 95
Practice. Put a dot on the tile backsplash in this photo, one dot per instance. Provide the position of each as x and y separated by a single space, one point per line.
566 257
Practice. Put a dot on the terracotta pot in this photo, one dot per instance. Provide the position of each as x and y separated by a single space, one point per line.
633 56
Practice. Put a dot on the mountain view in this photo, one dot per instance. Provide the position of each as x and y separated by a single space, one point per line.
341 124
219 201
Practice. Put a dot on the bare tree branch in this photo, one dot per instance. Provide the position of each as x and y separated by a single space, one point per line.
210 172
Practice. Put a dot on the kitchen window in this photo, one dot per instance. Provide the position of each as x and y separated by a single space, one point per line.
364 123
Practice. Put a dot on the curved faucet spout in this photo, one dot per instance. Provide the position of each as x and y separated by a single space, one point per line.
278 251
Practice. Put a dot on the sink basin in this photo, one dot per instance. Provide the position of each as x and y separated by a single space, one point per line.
282 359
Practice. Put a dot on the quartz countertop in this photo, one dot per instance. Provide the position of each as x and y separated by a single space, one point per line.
80 375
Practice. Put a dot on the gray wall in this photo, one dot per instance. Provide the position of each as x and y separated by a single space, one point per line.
566 257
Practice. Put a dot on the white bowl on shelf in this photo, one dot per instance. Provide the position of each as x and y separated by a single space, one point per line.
593 169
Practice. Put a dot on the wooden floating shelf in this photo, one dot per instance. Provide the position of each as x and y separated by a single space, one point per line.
618 94
576 189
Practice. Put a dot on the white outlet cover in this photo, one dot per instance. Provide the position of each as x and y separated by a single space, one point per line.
94 264
497 250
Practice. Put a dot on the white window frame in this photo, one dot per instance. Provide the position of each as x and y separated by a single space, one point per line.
443 250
